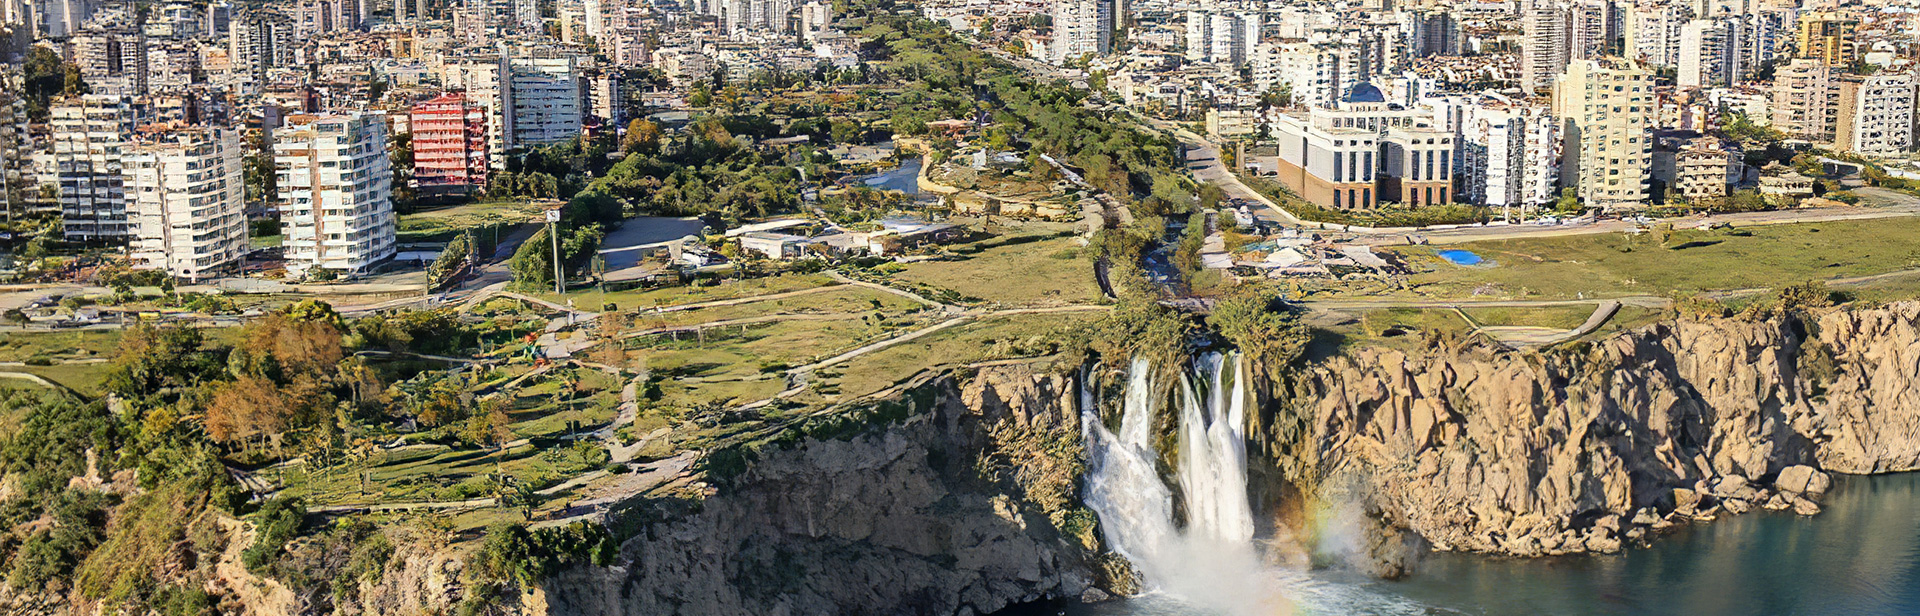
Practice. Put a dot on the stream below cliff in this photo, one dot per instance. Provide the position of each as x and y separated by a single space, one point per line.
1860 556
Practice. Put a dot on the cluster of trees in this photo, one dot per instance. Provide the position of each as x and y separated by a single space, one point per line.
48 76
289 381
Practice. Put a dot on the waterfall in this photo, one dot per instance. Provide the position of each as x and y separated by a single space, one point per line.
1211 566
1212 560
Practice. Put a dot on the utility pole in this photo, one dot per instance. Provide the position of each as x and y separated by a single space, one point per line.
553 231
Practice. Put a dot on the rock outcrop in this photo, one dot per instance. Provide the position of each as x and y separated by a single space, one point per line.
927 516
1592 447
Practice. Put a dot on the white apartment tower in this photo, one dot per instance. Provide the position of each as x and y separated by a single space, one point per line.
1606 107
89 140
1556 34
540 101
1708 55
1080 28
187 194
1545 51
1653 33
336 206
113 61
1876 114
258 40
1806 99
1511 156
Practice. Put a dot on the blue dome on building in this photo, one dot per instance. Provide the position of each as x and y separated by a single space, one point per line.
1364 92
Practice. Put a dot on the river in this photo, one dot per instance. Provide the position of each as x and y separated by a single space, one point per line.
1860 556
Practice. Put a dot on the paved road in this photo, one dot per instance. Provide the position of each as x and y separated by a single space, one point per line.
1642 301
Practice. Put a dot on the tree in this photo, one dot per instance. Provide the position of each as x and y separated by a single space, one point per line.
246 410
400 159
1569 201
643 137
491 428
1253 320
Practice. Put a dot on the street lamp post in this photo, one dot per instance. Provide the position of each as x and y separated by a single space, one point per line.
553 231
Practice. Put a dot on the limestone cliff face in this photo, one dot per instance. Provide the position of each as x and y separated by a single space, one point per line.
929 516
1582 449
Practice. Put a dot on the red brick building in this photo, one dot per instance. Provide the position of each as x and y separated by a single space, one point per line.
449 146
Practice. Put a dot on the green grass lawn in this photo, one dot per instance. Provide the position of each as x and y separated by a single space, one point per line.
750 350
1691 262
1000 337
439 224
634 299
850 301
1555 317
1040 273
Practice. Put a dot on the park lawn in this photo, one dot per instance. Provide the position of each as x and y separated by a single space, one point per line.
1611 265
77 344
850 301
1553 317
441 222
638 299
88 379
706 393
735 352
1048 272
987 339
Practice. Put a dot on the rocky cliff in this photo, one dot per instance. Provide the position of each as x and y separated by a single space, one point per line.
1587 448
964 506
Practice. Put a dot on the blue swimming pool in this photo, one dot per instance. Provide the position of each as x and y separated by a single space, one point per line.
1460 257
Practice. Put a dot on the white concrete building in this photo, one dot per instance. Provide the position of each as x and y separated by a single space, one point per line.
187 193
542 103
1511 155
1080 28
89 138
1653 33
1707 55
1876 115
336 207
1607 109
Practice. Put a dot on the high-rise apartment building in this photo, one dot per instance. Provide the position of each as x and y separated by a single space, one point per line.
112 60
1606 107
1546 49
1556 34
1708 55
449 145
89 139
540 101
1081 28
1511 155
1876 114
258 40
1653 33
1806 99
1433 33
336 207
1826 36
187 199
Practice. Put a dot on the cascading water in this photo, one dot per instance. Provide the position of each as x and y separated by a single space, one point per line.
1211 566
1212 560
